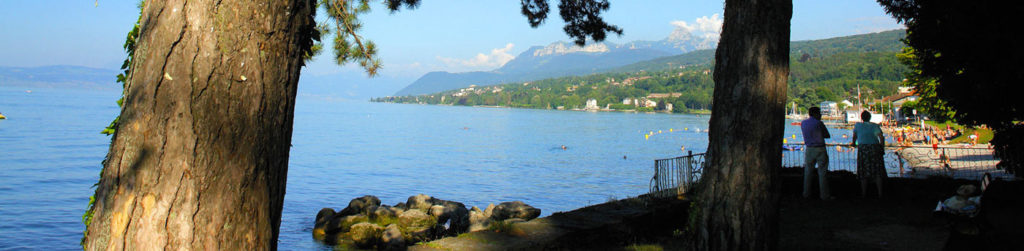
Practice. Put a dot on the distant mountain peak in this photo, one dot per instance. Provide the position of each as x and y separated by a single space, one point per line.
562 48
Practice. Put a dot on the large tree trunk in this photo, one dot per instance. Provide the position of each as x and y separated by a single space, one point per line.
200 158
737 204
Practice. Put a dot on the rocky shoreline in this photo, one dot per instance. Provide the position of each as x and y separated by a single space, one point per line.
366 223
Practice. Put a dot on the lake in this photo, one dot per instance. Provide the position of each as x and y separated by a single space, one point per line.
51 149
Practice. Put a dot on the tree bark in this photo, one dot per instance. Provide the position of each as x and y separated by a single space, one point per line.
200 157
738 196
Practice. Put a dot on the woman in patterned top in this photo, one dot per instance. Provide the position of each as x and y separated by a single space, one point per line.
868 139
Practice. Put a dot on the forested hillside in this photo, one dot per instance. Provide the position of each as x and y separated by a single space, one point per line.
820 70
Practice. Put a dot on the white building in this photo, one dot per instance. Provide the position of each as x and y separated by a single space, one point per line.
591 105
829 108
650 103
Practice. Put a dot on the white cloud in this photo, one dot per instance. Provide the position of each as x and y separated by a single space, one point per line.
705 27
497 58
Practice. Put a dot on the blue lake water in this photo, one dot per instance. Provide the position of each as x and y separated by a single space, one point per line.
51 149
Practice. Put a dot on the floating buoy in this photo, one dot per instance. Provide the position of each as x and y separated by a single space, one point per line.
659 131
670 130
647 137
784 140
794 136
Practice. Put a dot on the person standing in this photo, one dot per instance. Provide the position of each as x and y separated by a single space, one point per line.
870 142
815 133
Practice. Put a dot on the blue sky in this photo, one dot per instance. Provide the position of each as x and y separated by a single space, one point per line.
449 35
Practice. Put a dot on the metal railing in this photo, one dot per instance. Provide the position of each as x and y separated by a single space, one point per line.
674 176
962 162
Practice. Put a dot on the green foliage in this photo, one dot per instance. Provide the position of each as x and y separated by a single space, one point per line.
925 87
965 66
129 47
349 46
819 78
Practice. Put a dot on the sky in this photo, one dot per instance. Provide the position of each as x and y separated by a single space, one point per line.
449 35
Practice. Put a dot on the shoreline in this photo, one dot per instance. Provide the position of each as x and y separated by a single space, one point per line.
694 112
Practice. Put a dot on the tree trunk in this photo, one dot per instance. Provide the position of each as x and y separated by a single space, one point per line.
738 197
200 157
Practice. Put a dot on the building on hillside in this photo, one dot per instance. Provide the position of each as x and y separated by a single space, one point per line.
905 89
668 107
650 103
829 108
846 103
591 105
627 101
852 115
664 95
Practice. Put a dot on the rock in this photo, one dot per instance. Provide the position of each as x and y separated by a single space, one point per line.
401 205
457 217
436 210
489 211
383 212
477 220
319 226
343 223
515 209
514 230
416 219
418 234
323 216
365 234
392 238
360 205
420 201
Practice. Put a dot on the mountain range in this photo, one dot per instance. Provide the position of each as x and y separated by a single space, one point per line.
562 59
59 76
679 49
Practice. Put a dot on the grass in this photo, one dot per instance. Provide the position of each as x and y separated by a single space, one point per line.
501 226
644 247
984 135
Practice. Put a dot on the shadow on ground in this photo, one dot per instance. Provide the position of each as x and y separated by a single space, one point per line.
902 220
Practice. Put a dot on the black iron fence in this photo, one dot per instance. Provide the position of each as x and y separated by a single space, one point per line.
961 162
675 176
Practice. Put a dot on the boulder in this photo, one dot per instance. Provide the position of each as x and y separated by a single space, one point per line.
383 212
416 219
515 209
456 216
436 210
365 234
477 220
319 226
343 223
392 238
419 201
361 205
323 216
401 205
418 234
489 210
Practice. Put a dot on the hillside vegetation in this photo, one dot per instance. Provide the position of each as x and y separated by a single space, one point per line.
820 70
